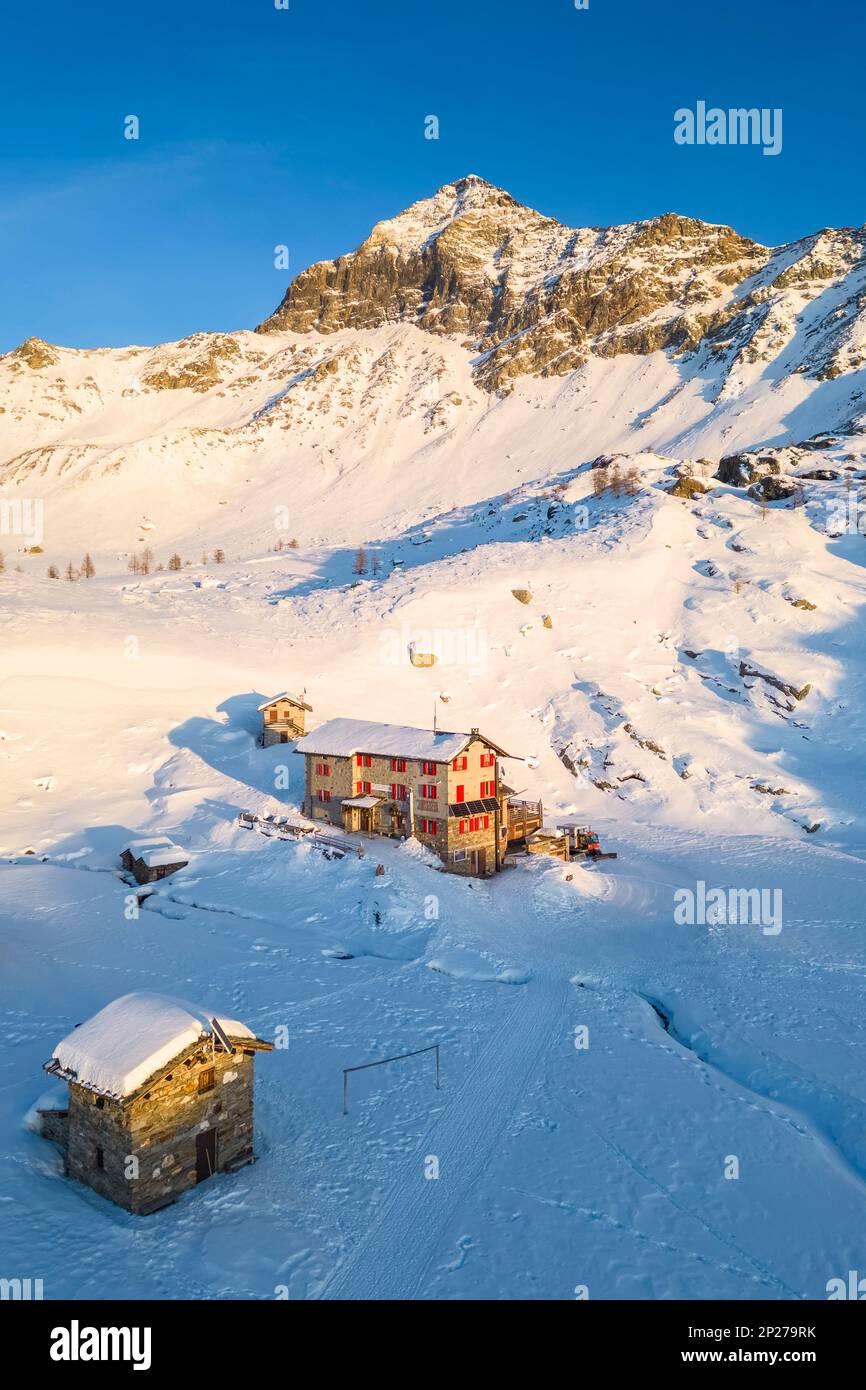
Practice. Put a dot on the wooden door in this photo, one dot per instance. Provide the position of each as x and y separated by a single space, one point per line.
205 1154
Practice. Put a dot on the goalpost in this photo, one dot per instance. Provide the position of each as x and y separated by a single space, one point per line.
363 1066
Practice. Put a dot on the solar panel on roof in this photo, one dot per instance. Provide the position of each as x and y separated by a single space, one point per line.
473 808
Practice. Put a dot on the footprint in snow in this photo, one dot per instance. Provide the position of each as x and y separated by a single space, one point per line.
464 1245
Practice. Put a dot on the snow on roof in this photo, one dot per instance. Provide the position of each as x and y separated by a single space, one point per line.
135 847
364 802
163 854
286 695
344 737
133 1037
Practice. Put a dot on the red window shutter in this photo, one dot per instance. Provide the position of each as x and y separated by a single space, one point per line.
486 822
461 793
402 793
461 830
358 788
434 827
327 796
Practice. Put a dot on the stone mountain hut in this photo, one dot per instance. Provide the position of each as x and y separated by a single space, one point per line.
442 788
160 1098
150 860
283 718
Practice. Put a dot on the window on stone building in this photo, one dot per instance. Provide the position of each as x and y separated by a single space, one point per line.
206 1079
100 1158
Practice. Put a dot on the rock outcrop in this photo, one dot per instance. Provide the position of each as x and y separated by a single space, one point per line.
532 296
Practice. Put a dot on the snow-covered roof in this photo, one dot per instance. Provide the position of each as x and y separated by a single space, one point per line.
132 1038
136 847
163 854
342 738
364 803
286 695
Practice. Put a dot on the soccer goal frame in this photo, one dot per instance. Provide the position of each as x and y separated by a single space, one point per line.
399 1057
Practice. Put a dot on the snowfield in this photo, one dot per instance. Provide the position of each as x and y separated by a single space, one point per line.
641 1096
601 1064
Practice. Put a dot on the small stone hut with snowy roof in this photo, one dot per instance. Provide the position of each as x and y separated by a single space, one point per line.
153 859
283 718
160 1098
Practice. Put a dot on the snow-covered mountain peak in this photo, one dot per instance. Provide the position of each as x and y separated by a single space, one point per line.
411 230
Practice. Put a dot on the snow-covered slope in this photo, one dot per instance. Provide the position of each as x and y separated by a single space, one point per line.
682 516
468 343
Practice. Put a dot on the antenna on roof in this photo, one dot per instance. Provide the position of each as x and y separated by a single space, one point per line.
434 717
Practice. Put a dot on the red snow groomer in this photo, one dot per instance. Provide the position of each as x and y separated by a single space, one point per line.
583 842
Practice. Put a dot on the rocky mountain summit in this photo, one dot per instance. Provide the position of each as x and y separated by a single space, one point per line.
532 296
468 344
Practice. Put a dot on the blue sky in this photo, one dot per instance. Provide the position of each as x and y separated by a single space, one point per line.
261 126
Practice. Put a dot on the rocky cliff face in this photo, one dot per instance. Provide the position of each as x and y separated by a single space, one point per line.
532 296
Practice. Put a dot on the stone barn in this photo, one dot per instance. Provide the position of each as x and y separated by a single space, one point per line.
150 860
283 718
160 1099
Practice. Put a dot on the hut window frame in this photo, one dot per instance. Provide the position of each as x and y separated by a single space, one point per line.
206 1080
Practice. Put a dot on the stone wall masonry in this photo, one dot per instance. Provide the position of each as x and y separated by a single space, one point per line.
158 1130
